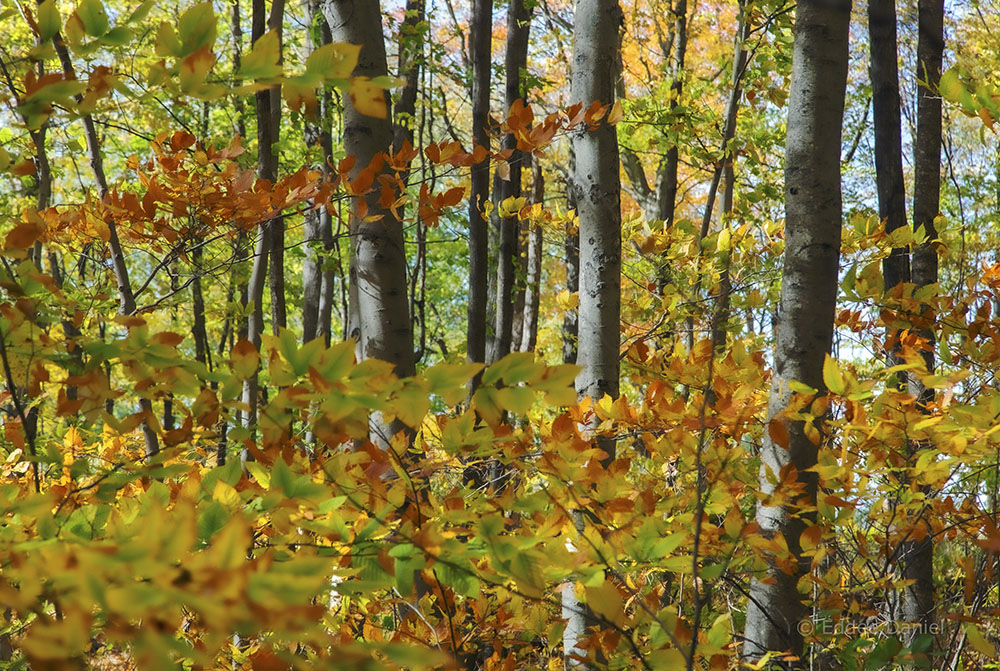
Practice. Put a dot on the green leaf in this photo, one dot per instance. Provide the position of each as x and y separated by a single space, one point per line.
93 16
49 20
606 601
513 369
197 28
448 380
117 37
516 399
261 64
167 44
141 12
213 517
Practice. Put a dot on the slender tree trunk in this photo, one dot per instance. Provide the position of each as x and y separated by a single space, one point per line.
126 299
813 211
276 227
236 28
379 259
520 289
720 314
316 280
411 55
597 189
266 169
534 275
570 327
481 43
518 24
888 145
666 192
916 555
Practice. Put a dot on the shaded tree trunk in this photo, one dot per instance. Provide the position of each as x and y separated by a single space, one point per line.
597 190
481 43
411 48
916 556
666 192
813 211
267 168
888 145
317 278
518 24
276 274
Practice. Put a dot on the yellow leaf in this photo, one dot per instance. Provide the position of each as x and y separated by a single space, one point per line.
333 61
832 378
606 601
979 642
262 63
226 494
368 98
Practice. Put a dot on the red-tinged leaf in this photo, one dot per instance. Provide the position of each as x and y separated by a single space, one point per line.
777 429
838 502
452 197
168 338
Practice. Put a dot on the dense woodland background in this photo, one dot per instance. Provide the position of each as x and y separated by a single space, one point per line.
499 335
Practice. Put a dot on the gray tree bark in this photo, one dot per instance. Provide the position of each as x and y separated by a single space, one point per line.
534 265
808 298
378 269
597 189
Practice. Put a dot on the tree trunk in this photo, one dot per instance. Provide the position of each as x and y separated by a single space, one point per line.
267 168
808 298
318 224
518 24
126 298
481 47
666 192
520 288
411 53
534 275
888 146
379 260
720 315
597 189
917 555
570 327
276 227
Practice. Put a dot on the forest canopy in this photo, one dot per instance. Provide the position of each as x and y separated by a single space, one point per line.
494 335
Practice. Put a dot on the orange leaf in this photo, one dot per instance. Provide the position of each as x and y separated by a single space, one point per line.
777 429
22 236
